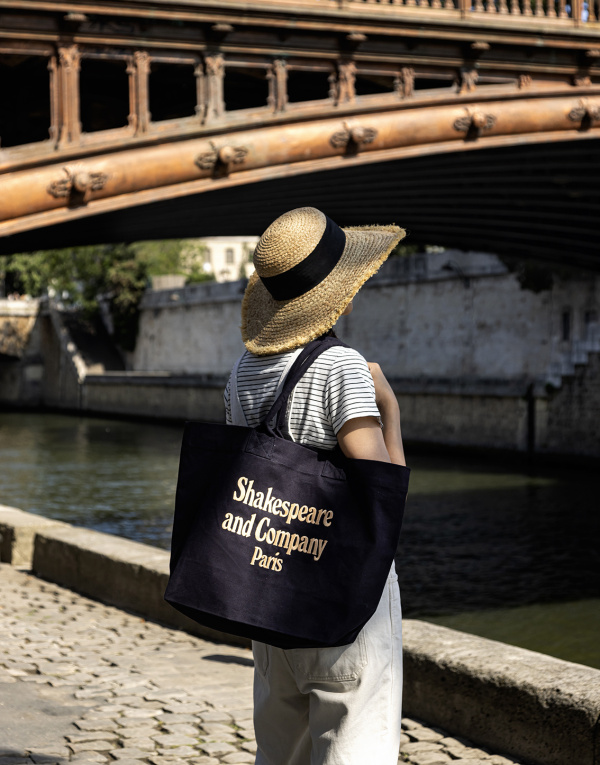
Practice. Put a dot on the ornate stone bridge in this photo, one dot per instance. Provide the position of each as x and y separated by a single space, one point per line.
475 123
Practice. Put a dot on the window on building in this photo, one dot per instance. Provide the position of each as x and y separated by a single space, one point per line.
307 86
24 100
245 88
229 255
172 91
104 94
207 255
566 325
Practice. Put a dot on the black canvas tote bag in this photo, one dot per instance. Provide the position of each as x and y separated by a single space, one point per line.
278 542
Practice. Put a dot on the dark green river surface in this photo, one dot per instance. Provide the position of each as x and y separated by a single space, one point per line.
485 548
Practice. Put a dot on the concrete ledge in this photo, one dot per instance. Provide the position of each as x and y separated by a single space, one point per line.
114 570
536 708
161 396
17 532
539 709
194 294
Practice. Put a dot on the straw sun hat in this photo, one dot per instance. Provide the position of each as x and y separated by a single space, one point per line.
307 271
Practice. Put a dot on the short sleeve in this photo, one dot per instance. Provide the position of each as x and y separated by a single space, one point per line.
227 402
350 390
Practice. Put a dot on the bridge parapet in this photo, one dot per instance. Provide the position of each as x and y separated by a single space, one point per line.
537 11
105 111
78 82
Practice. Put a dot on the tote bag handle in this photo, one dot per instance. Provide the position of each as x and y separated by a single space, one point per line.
302 363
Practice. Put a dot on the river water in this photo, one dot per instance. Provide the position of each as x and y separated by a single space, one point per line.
487 548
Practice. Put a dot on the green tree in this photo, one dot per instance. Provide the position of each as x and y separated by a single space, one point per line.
126 281
77 276
160 257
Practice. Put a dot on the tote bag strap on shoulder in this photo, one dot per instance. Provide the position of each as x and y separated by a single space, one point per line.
238 416
237 413
302 363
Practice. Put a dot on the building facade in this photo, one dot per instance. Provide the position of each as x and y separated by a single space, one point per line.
227 258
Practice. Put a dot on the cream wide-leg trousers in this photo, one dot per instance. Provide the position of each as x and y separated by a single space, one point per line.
333 706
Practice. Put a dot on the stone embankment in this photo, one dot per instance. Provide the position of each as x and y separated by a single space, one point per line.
109 678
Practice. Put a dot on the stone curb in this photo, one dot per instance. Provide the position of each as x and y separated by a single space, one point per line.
537 708
17 532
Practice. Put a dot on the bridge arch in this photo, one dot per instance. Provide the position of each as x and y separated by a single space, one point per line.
326 92
537 200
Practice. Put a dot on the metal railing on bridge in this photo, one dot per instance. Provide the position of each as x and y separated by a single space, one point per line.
571 13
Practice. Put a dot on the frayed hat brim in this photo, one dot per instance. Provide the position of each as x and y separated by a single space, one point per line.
274 326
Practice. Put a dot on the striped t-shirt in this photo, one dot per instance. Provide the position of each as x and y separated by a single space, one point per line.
336 388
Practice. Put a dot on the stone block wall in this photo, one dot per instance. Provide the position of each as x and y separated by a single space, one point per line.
572 413
192 330
21 362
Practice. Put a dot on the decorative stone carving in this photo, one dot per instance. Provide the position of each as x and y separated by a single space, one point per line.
77 181
225 155
69 59
474 123
467 79
208 159
345 92
404 83
582 81
200 91
356 136
232 155
587 112
277 78
215 73
138 70
524 81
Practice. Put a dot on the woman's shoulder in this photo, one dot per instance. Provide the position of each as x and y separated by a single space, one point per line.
336 357
343 355
251 361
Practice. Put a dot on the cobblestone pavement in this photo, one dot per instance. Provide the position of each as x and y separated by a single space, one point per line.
82 682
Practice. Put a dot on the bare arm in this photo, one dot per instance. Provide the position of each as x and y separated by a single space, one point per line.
387 404
363 438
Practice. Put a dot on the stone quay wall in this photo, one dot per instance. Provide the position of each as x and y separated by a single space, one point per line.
21 361
538 709
474 359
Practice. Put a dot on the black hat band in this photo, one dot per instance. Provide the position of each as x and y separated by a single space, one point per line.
313 269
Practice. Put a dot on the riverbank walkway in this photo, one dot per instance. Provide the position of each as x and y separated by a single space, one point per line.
87 683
